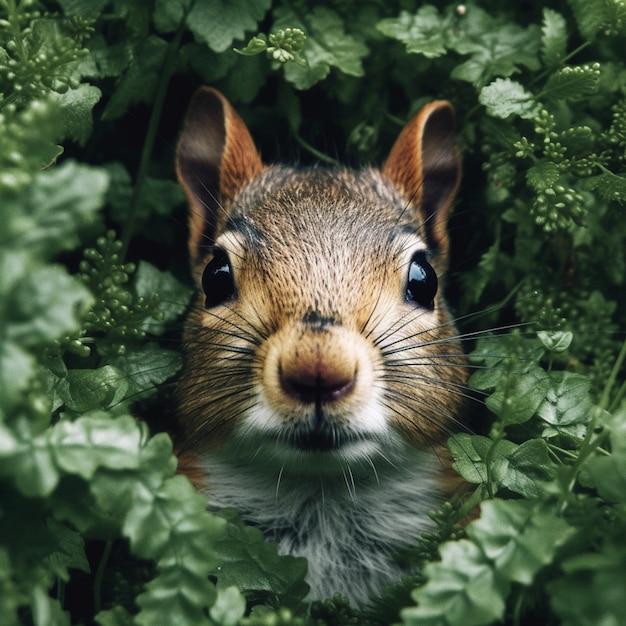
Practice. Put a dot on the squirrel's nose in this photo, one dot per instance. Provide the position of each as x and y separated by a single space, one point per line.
318 387
320 373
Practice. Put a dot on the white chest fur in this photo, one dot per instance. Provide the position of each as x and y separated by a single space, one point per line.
349 527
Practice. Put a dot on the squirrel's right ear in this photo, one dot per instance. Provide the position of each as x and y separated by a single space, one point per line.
216 156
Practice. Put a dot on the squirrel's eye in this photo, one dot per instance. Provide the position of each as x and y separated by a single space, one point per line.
217 280
421 286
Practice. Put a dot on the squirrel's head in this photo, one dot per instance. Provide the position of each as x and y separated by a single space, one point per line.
320 335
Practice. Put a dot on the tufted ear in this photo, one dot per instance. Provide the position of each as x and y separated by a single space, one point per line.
424 164
215 158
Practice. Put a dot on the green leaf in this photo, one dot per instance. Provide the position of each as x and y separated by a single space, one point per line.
178 530
251 564
471 452
173 296
70 553
543 175
138 83
500 355
517 398
609 472
568 406
556 341
60 203
17 369
527 469
462 590
117 616
520 537
496 47
84 390
229 607
553 37
425 33
609 186
76 107
505 97
592 595
28 459
168 14
573 82
328 45
221 22
590 16
146 368
94 441
47 304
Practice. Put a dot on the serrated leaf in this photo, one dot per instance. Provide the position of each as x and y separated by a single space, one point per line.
520 537
462 590
590 16
573 82
173 296
249 563
553 37
505 97
47 304
543 175
61 202
175 528
70 553
328 45
77 110
221 22
95 440
496 47
610 186
425 33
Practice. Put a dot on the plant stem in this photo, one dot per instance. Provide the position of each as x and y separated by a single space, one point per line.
151 133
98 578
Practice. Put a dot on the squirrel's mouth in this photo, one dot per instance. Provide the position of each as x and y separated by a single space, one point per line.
322 437
320 440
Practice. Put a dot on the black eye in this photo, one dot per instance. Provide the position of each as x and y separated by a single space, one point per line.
421 286
217 280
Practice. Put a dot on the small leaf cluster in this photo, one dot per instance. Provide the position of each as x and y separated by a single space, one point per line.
282 46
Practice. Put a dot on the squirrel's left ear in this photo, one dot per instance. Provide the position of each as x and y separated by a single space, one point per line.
215 158
425 165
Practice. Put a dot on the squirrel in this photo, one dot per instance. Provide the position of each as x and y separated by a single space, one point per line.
323 371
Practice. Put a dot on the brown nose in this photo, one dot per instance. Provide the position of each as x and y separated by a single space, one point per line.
315 390
316 377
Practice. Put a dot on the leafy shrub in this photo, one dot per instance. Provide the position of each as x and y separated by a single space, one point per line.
95 525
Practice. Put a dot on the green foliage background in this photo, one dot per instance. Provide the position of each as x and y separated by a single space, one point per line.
95 526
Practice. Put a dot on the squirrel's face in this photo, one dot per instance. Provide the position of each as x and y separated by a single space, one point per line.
320 335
